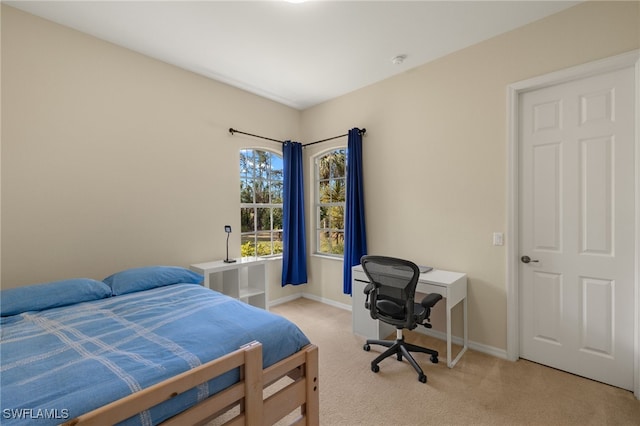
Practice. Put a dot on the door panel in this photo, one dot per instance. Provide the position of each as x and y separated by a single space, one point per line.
596 196
597 332
577 225
547 292
547 197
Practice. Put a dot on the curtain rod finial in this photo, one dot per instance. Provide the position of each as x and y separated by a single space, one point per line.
231 130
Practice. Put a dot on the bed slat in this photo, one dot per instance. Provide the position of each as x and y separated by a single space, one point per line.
284 402
211 406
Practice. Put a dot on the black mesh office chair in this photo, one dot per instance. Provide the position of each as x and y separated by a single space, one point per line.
390 298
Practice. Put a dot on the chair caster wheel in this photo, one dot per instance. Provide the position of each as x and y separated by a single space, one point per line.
434 359
366 347
422 378
375 368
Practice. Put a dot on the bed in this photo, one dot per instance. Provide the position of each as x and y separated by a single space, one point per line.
146 346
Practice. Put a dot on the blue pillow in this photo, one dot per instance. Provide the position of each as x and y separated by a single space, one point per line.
39 297
145 278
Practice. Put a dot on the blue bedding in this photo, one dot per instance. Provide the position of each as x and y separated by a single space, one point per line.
61 362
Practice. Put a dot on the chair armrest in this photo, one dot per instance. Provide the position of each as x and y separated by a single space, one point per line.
430 300
368 288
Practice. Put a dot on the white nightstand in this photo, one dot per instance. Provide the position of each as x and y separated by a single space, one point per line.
245 279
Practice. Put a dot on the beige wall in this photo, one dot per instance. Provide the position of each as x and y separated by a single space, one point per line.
111 159
435 152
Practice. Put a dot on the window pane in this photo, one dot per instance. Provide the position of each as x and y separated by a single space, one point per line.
324 244
277 242
246 164
246 191
264 244
324 191
261 191
262 165
337 242
277 189
323 218
247 216
334 173
338 164
324 167
248 246
336 217
336 190
277 219
339 191
276 165
263 221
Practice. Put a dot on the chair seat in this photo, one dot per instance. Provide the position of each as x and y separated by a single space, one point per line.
420 310
391 309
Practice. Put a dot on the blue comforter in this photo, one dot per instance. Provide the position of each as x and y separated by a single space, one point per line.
59 363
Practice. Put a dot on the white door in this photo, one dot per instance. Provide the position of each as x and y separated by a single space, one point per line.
577 227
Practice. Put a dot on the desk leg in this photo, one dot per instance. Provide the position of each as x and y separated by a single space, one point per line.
465 339
466 330
449 307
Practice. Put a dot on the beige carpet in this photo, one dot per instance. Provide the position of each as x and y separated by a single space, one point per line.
479 390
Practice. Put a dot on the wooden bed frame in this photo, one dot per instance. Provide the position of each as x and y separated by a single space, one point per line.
247 394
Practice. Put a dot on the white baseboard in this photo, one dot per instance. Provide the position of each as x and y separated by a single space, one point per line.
327 301
310 296
489 350
480 347
285 299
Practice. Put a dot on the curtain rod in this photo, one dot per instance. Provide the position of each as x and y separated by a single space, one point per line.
362 132
232 131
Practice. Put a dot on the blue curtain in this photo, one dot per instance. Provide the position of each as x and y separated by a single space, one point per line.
355 238
294 241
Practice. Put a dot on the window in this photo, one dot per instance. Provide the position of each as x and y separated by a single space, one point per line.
331 179
261 189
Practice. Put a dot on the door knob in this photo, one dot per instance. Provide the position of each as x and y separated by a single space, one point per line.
527 259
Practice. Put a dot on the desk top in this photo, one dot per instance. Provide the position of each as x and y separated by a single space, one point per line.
434 276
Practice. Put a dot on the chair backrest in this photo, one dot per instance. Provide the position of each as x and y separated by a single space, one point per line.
394 282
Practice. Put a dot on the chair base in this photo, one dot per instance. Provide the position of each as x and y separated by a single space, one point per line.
400 349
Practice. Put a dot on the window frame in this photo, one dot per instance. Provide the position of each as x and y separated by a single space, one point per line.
318 205
255 232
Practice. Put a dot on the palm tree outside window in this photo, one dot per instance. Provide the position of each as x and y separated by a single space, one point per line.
331 179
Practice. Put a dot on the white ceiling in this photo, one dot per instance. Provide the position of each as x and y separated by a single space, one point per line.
296 54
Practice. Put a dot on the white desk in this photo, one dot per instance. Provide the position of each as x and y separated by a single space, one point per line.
451 285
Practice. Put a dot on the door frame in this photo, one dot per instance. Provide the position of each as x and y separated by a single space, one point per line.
625 60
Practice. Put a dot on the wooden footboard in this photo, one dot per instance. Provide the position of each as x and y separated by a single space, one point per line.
301 367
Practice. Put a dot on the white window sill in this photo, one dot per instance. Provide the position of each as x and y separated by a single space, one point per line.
271 257
325 256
